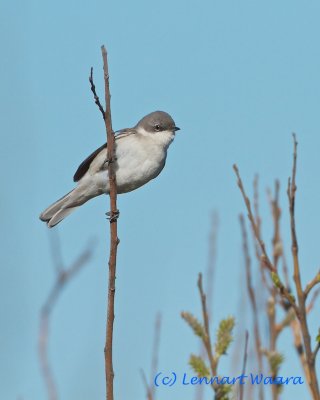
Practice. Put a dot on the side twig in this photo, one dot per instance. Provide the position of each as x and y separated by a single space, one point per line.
312 284
95 96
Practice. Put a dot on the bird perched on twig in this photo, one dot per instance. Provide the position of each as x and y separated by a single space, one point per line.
140 155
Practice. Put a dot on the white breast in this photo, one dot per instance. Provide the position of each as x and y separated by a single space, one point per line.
140 158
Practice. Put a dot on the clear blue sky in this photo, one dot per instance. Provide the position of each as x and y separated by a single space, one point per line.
238 78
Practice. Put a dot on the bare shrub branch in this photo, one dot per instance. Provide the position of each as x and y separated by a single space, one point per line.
95 96
150 386
302 312
252 297
264 257
224 337
296 315
63 276
114 241
245 357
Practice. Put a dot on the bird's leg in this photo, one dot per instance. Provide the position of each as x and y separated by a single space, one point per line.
112 216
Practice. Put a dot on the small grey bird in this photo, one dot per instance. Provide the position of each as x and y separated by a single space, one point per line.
140 155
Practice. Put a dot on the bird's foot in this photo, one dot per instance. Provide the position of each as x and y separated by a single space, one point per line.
108 162
112 216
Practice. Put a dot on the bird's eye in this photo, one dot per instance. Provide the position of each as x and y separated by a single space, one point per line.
157 127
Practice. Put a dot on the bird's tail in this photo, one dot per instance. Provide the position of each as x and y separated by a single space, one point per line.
63 207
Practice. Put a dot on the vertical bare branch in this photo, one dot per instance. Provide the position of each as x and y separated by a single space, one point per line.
257 218
114 241
44 359
276 254
207 338
63 276
149 386
212 258
302 315
212 261
256 202
223 339
299 348
245 356
155 352
287 300
252 298
146 385
276 214
264 256
276 240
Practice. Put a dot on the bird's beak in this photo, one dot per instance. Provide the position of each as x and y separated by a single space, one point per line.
176 129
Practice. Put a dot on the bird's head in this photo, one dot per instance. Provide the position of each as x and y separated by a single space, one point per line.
157 123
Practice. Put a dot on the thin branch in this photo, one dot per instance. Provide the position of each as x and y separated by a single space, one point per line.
297 336
264 257
314 297
150 387
256 202
95 96
207 338
63 276
44 359
155 353
315 352
252 298
286 321
212 259
312 284
146 385
277 240
254 225
114 241
257 218
276 214
274 329
213 360
299 348
285 271
210 272
302 315
245 357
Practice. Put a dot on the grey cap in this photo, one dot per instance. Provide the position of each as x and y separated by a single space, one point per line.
157 121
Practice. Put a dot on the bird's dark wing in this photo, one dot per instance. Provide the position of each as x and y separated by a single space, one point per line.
85 165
